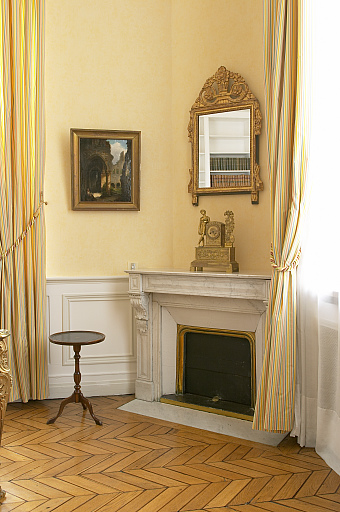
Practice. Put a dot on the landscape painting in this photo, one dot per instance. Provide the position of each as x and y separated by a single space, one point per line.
105 169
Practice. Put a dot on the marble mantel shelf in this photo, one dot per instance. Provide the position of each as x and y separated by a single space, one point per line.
182 272
237 285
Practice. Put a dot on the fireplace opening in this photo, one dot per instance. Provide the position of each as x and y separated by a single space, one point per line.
215 371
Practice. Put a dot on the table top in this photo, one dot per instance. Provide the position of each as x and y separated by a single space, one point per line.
76 337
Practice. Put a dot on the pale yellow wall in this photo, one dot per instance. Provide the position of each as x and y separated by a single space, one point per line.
139 65
108 66
207 35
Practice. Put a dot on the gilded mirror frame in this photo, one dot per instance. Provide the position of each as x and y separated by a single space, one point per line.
225 92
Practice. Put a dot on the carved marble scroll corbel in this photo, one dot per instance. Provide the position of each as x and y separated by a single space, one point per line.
140 303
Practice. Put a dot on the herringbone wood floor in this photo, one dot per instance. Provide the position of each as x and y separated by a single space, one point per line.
138 464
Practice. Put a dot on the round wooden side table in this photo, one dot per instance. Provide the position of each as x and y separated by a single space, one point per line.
76 339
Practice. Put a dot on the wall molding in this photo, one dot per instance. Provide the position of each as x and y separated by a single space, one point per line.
86 280
105 358
110 368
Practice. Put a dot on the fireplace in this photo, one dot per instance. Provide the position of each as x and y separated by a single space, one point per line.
209 303
215 371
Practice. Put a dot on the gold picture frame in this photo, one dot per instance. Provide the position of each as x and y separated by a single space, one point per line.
105 169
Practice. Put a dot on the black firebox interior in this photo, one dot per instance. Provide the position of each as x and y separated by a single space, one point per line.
217 372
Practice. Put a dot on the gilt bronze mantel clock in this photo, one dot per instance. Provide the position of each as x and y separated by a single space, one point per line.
215 250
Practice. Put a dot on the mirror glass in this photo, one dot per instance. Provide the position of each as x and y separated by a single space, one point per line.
224 149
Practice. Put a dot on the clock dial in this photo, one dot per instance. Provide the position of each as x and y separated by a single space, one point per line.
213 232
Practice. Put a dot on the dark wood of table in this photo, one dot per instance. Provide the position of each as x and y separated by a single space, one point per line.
76 339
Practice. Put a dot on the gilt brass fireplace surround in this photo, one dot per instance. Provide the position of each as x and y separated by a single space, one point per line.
237 371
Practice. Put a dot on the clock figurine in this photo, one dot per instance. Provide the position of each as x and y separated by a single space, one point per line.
215 250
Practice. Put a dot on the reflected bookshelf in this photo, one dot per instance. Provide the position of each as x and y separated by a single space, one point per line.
224 150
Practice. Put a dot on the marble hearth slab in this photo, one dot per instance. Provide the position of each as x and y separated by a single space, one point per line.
206 421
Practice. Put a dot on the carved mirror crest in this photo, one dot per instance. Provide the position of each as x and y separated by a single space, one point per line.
225 122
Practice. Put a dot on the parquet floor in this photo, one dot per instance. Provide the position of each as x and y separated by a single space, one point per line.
138 464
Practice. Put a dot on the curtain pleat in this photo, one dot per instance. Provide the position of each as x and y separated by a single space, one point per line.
22 226
286 132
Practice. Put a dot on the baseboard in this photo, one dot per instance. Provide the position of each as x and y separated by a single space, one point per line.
105 388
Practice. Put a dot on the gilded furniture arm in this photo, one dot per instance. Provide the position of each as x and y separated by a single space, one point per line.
5 384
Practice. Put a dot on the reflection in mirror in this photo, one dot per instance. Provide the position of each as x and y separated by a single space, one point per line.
224 149
224 126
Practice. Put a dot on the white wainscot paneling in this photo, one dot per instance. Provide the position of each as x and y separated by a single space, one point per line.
93 304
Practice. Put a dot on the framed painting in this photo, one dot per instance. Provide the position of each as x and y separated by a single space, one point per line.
105 169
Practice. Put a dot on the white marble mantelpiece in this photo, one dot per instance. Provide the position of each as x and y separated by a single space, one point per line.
163 299
208 284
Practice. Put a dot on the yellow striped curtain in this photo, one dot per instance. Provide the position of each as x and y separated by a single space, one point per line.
22 229
286 133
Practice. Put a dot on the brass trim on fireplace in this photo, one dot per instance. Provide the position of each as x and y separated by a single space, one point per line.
221 412
183 329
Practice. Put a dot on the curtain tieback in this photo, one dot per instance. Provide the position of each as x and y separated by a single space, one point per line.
287 267
36 214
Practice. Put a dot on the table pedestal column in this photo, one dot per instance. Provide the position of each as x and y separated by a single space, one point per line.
77 396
